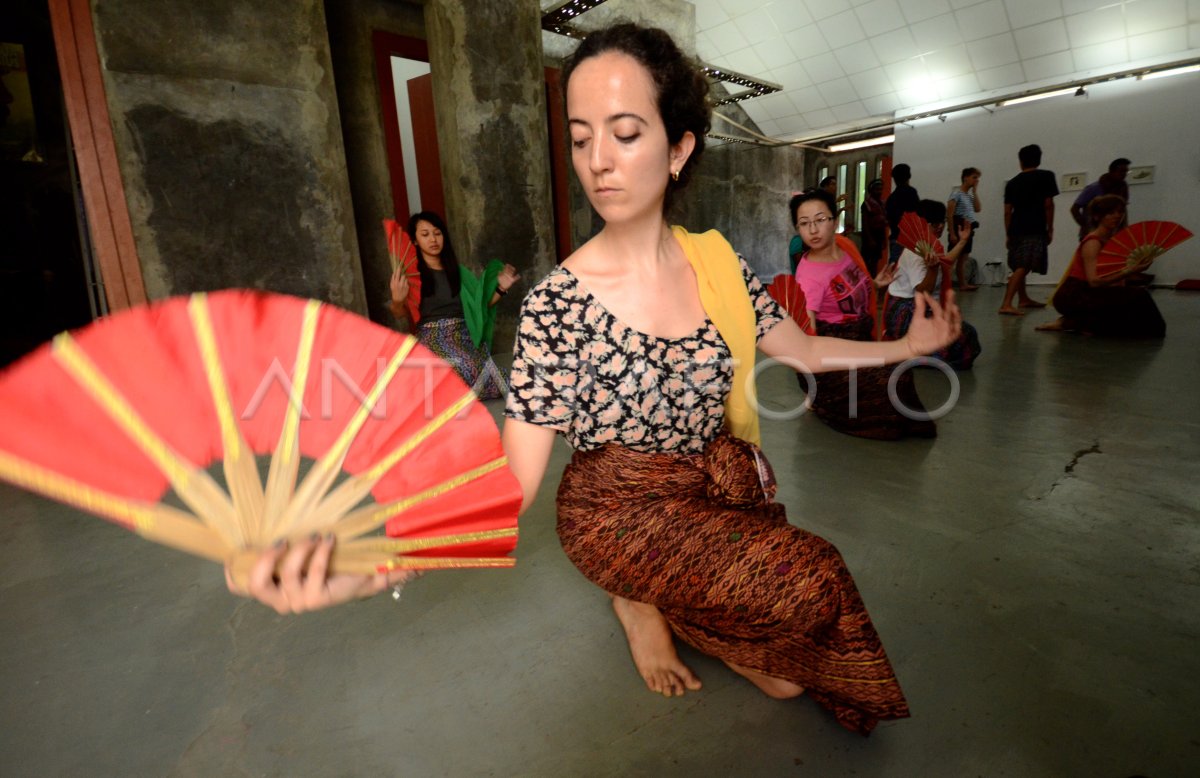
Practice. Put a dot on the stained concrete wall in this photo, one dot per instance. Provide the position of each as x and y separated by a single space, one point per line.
743 191
230 146
351 23
490 107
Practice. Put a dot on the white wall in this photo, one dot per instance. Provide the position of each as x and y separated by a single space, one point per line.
403 70
1155 122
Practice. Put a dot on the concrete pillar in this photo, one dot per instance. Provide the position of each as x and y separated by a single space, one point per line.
230 148
490 107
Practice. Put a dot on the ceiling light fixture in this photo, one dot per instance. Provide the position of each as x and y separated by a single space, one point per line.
989 104
1171 72
753 86
1039 96
862 144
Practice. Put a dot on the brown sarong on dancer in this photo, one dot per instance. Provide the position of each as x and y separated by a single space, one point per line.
700 537
875 415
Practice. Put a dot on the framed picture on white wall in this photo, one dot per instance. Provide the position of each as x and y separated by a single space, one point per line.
1141 175
1073 181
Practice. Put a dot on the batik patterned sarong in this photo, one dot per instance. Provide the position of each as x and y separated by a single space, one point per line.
451 340
701 538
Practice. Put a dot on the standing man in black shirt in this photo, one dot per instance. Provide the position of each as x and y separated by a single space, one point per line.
901 201
1029 226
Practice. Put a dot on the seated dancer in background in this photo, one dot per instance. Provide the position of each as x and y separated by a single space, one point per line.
442 327
915 275
639 349
1103 304
840 297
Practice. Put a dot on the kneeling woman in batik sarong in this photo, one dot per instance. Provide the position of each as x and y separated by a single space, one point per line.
640 350
915 274
442 327
840 297
1101 304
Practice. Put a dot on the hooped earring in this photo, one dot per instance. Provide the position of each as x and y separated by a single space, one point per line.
674 175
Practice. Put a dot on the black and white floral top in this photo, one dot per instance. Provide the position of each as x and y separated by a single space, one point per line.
579 370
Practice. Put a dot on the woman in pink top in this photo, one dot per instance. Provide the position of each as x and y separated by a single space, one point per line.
840 298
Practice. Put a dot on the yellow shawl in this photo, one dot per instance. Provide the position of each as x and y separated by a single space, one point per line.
727 302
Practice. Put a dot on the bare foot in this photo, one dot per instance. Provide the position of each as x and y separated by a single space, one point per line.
769 684
1008 310
1031 303
1053 326
968 287
653 649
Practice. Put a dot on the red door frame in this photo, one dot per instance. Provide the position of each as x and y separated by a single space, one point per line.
559 163
425 145
420 100
96 153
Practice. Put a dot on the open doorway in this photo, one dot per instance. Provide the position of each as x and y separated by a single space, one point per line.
47 281
406 95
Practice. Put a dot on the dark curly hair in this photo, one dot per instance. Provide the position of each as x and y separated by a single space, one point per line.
807 195
932 211
682 90
448 257
1103 205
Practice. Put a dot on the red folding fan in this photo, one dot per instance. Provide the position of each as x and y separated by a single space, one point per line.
918 237
404 254
1138 243
110 418
787 292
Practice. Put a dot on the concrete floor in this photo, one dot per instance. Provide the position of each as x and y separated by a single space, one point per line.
1033 573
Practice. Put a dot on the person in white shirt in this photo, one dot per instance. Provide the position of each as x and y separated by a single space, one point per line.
915 275
963 208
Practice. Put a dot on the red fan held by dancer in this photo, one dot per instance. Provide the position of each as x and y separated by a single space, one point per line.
785 291
110 418
1138 245
918 237
404 255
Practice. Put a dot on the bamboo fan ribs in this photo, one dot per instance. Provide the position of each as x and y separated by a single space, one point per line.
109 418
1139 244
403 254
918 237
786 291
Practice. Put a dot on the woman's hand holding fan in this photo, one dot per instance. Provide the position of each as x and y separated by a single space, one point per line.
114 417
886 275
403 255
295 579
1134 248
398 285
918 237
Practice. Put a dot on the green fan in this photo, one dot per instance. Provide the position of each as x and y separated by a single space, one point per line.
476 293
